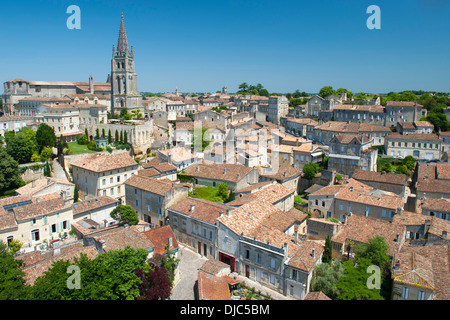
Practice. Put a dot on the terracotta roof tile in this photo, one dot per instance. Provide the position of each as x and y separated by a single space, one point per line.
100 162
152 185
160 238
204 210
219 171
211 287
361 229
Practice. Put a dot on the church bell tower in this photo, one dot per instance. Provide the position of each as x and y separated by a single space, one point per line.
124 92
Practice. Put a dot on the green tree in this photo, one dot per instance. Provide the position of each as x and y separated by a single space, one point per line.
353 285
325 278
125 137
86 133
361 95
47 170
376 251
264 93
9 135
116 136
326 91
340 91
97 133
11 275
30 137
75 194
9 172
243 87
125 214
103 133
121 137
46 153
18 148
110 276
328 251
407 96
409 162
310 170
439 121
123 112
45 136
109 136
223 191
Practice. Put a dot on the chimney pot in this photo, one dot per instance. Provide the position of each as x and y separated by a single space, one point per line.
192 207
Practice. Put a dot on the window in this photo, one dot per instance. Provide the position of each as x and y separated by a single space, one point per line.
135 191
421 295
341 207
323 203
149 207
53 228
118 190
33 222
405 292
258 258
111 191
35 235
272 263
294 274
210 235
103 182
111 180
64 225
136 203
247 254
383 213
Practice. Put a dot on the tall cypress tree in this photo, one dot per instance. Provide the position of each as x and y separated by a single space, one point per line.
328 251
75 194
109 136
103 132
116 136
121 137
125 137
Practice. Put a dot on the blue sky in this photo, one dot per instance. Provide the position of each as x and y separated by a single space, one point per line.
202 45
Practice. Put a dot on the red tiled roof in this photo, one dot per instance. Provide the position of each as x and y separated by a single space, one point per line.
160 238
211 287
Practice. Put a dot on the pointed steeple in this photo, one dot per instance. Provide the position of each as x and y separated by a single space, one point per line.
122 44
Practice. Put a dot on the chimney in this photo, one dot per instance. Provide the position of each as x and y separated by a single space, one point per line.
224 170
444 234
170 242
351 189
197 169
396 237
313 254
345 219
192 208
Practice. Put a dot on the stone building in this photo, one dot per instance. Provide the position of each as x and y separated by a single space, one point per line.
16 90
151 197
349 152
124 91
194 223
420 146
403 111
104 174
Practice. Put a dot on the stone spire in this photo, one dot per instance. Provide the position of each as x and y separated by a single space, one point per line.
122 44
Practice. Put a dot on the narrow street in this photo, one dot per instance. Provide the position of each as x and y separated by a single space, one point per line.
190 262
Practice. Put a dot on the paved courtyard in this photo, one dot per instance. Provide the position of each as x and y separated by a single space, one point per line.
186 276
